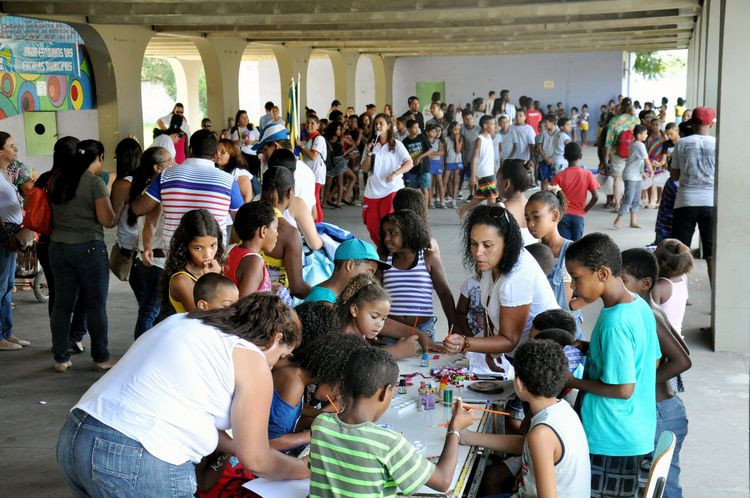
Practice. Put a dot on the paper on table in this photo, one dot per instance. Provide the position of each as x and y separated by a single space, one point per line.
299 488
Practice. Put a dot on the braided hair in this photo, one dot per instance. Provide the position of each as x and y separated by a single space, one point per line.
361 289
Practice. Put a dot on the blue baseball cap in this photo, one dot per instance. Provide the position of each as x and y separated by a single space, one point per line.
358 249
271 133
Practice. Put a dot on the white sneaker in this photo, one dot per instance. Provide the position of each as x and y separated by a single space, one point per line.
460 196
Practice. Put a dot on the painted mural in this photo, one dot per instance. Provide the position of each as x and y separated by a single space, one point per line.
44 66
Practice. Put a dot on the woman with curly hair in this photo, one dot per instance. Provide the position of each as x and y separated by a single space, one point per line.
141 429
229 158
197 248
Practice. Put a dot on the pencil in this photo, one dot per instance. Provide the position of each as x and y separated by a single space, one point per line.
414 327
333 404
469 407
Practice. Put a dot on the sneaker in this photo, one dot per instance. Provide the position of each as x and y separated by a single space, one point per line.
18 341
6 345
432 204
460 196
448 199
62 367
440 205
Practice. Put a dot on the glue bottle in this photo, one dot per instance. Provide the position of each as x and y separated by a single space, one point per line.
425 360
443 382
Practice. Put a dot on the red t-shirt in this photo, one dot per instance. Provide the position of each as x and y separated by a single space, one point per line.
533 118
575 183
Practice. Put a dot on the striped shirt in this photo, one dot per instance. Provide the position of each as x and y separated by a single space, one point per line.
195 184
410 290
362 461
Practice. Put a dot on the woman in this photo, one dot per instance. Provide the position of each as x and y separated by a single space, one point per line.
246 135
386 161
150 256
214 371
63 156
340 172
285 261
172 138
11 216
230 159
80 209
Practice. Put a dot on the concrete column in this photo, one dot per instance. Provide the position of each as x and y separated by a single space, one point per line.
192 71
712 11
117 57
382 67
701 28
221 61
344 64
691 62
292 62
731 308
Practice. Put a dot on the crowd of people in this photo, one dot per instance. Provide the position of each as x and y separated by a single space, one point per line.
211 233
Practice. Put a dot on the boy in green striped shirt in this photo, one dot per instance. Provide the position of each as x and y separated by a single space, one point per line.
350 456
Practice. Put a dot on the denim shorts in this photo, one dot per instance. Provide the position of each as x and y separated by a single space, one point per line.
421 180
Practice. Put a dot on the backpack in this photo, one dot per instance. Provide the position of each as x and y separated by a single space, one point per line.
624 140
38 215
329 156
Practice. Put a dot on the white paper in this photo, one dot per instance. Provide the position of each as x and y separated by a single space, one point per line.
299 488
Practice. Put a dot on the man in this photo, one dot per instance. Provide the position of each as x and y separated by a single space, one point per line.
490 102
413 102
694 166
371 110
195 184
335 106
268 116
438 117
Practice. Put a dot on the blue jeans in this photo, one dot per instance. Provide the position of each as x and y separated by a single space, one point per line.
671 416
99 461
571 227
80 269
7 280
144 280
78 326
631 199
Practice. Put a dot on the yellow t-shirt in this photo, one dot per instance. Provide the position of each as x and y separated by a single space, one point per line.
178 307
276 268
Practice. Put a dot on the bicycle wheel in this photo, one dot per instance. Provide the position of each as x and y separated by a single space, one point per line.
41 289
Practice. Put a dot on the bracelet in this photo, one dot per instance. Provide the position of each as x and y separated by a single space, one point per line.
467 345
456 433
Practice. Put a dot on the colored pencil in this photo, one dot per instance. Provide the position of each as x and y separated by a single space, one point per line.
414 327
333 404
469 407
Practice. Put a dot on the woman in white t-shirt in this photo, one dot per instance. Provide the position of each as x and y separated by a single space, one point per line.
314 154
230 159
246 135
140 429
386 160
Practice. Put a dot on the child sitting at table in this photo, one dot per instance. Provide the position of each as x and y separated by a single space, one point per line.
619 404
362 309
554 453
352 456
213 291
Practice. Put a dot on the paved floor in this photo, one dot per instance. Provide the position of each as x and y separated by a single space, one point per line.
34 400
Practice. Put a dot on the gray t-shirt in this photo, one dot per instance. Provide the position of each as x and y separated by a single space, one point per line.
636 159
74 222
523 137
695 157
470 136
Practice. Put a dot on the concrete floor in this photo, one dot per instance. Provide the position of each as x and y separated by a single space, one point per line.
34 400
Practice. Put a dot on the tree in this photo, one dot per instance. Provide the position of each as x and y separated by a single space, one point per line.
649 65
159 71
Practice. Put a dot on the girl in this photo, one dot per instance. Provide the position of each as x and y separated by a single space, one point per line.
436 163
197 248
415 271
671 289
343 176
257 226
513 180
127 157
386 161
543 212
362 309
584 124
246 135
314 153
632 175
284 261
454 143
230 159
655 145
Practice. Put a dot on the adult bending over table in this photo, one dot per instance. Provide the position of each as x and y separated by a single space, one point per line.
140 430
514 287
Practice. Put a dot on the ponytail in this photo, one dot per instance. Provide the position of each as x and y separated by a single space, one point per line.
553 197
277 182
361 289
64 182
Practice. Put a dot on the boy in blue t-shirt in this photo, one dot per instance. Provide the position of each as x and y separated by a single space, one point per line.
619 404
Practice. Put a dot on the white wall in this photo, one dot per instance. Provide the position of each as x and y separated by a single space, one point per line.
321 89
365 86
591 78
259 83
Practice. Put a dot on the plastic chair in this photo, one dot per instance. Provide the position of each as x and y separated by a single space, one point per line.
657 476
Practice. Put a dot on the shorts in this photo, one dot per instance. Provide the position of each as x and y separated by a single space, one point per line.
631 199
615 475
487 188
339 166
454 166
617 165
514 406
428 327
546 171
421 180
436 166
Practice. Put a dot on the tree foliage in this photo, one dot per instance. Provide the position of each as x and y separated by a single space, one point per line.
160 72
649 65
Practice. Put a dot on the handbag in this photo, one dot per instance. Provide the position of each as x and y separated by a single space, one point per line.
38 215
21 240
120 262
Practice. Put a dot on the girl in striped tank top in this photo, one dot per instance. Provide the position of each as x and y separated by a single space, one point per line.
415 271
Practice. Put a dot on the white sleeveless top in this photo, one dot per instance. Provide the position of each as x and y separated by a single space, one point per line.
486 157
127 236
674 307
573 471
172 390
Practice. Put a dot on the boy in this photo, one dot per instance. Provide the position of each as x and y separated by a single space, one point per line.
561 139
619 406
351 456
437 151
632 176
401 131
213 291
523 138
469 133
576 183
555 456
483 168
546 150
639 273
419 150
502 149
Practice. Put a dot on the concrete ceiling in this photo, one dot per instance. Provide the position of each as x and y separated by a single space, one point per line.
392 27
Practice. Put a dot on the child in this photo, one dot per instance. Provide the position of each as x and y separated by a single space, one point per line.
546 150
419 149
196 248
584 124
513 181
543 213
401 130
384 459
409 198
258 228
575 120
619 405
561 139
437 151
671 289
576 183
454 143
482 168
416 270
632 176
639 270
543 255
555 456
565 340
523 137
314 154
213 291
469 132
655 146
